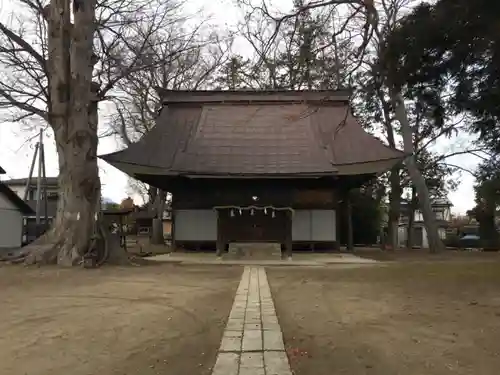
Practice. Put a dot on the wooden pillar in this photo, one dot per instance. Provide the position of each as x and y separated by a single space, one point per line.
122 234
220 245
338 225
172 230
350 236
288 235
157 231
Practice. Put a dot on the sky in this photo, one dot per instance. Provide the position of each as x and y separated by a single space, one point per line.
17 144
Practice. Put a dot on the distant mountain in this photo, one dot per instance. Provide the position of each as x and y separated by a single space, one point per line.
106 200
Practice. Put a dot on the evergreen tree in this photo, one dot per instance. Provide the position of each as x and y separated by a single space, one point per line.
454 47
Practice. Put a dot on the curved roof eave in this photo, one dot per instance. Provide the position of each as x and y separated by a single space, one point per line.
369 167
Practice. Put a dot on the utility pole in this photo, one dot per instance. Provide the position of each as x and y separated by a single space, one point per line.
30 175
39 180
45 196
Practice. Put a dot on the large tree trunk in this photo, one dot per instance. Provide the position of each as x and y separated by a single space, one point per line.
435 244
394 178
157 237
488 233
59 68
394 207
156 206
411 218
75 223
380 193
79 175
74 121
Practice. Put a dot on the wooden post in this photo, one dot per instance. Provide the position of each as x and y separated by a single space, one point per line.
122 234
288 235
220 245
350 236
338 226
172 229
157 231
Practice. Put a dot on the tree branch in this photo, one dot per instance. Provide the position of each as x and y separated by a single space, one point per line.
12 102
24 45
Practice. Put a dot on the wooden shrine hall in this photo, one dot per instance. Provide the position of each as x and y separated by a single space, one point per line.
256 166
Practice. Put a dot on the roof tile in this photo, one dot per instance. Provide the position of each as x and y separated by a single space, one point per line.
257 139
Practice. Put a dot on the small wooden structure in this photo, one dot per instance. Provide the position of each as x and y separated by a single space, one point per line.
133 226
254 166
115 220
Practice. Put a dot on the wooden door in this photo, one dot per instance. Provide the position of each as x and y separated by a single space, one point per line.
259 227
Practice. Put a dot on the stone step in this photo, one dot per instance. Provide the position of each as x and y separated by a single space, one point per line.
261 251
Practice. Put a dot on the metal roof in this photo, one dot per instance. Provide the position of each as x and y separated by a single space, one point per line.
50 181
14 198
249 134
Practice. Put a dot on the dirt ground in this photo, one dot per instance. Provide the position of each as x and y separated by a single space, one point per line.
158 319
410 318
423 255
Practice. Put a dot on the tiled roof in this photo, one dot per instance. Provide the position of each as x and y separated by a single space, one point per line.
256 134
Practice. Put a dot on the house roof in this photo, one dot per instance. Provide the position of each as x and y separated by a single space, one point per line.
50 181
439 202
14 198
255 133
442 202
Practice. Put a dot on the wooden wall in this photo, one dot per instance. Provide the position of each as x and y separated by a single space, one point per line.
207 198
259 227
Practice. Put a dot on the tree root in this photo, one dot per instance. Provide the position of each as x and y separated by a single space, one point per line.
104 248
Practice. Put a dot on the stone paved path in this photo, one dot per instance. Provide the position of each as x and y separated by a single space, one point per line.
252 343
304 259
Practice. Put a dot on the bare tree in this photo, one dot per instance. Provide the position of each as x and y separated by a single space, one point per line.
373 88
136 187
179 62
58 63
137 103
304 53
373 29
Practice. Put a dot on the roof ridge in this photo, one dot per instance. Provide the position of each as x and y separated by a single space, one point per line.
270 96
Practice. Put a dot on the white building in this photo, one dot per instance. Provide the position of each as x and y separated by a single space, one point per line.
47 208
12 211
442 210
19 186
